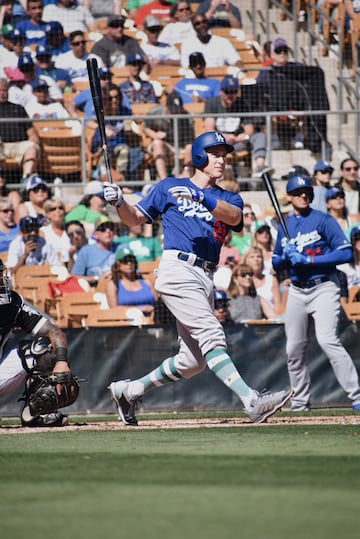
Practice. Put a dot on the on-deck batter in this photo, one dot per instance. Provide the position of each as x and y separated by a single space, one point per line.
196 216
317 244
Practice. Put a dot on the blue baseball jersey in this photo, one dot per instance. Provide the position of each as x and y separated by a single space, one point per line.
205 88
187 225
316 234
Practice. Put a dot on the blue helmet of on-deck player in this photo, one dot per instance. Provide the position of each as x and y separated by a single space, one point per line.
297 181
204 142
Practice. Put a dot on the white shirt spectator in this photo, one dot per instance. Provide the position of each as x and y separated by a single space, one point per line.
44 254
73 18
217 52
177 32
76 67
161 51
61 244
50 110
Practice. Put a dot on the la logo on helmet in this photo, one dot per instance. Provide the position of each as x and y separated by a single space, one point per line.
219 137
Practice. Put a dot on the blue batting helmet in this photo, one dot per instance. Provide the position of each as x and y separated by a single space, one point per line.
205 141
299 182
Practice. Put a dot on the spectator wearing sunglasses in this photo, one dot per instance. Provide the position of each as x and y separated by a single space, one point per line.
77 236
55 232
96 259
35 195
335 202
322 178
217 50
74 61
8 228
221 307
349 182
29 248
180 27
115 46
265 282
220 13
245 303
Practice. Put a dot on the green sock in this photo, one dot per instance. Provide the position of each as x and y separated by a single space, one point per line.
220 363
162 375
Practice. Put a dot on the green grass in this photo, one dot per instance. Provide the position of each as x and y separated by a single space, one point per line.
260 482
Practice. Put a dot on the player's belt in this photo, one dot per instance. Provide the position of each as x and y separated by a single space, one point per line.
311 283
200 262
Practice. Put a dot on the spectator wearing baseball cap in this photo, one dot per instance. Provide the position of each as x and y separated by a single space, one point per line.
96 259
29 248
201 87
45 66
158 52
241 133
335 202
56 39
322 178
34 197
136 89
158 8
115 46
90 208
221 307
127 286
28 67
43 106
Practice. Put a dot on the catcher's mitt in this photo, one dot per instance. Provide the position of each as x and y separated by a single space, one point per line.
42 396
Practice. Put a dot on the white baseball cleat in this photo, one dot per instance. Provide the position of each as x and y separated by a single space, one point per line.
126 408
266 404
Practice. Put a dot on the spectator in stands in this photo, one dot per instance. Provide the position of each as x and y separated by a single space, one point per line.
43 106
294 86
74 61
8 228
245 302
7 16
335 202
161 132
136 89
33 26
221 307
71 14
77 236
12 195
145 248
96 259
45 65
349 182
158 52
124 159
127 286
180 27
90 208
18 140
265 283
56 39
322 178
15 47
27 65
220 13
241 133
55 232
115 46
217 50
29 248
157 8
263 240
198 87
352 270
243 240
36 193
83 100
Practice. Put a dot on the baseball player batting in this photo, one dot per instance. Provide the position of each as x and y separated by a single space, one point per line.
316 246
196 216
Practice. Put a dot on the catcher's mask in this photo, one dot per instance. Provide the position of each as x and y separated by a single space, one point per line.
5 285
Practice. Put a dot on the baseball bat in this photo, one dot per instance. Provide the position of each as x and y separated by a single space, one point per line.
274 201
96 93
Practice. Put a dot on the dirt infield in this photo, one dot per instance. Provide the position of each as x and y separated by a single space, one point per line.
177 423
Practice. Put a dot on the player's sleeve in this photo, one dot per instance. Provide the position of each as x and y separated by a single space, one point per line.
340 251
153 204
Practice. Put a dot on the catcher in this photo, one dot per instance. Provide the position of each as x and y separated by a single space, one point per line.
41 362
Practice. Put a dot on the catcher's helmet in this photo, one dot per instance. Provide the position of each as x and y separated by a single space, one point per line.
205 141
300 182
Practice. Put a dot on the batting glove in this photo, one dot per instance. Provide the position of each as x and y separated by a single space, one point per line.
195 194
113 194
299 258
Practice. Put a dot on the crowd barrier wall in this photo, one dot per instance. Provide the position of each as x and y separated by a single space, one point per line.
101 355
